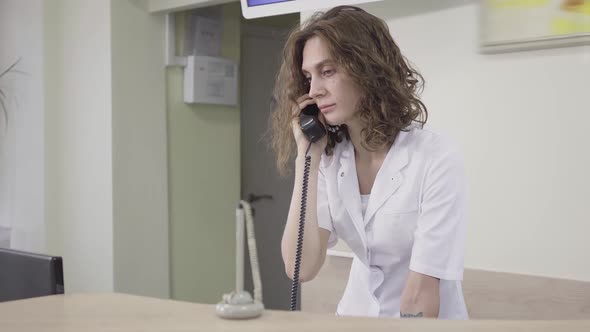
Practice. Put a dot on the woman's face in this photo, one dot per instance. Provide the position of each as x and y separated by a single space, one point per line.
331 88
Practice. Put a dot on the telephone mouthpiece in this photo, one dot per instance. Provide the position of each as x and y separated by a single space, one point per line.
312 127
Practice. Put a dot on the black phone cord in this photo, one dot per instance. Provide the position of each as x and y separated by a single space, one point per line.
299 250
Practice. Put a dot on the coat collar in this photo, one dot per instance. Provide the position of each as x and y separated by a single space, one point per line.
388 180
348 187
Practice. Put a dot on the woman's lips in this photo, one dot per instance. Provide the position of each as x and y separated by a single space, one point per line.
327 108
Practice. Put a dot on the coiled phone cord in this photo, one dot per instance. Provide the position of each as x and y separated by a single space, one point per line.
254 265
299 250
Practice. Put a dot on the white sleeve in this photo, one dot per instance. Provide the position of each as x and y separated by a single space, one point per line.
439 239
324 217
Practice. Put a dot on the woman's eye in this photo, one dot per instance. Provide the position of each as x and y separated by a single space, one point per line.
328 72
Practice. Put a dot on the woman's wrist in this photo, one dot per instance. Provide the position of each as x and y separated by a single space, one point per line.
315 160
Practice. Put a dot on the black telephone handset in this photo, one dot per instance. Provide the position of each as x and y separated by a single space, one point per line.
310 124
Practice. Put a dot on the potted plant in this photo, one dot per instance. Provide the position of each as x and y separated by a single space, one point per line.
5 230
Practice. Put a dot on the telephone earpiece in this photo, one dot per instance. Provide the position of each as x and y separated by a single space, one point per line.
310 124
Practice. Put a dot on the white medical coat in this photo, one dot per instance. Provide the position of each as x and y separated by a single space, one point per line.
415 220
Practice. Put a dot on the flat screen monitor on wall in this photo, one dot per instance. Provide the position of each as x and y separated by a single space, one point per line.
262 8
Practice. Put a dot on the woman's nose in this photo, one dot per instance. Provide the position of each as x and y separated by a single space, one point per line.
316 88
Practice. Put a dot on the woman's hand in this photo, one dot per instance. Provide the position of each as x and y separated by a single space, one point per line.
301 140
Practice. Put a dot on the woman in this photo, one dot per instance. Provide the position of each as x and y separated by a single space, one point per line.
393 191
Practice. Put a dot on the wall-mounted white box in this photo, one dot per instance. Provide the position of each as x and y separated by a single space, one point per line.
210 80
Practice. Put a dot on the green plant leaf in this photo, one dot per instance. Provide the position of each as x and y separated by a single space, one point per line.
3 95
10 67
4 110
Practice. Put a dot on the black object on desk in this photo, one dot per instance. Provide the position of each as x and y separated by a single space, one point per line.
25 275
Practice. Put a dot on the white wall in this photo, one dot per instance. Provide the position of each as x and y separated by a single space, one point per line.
21 140
140 172
106 146
93 97
78 128
204 181
178 5
522 122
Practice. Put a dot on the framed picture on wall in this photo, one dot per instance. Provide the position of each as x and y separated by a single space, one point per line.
512 25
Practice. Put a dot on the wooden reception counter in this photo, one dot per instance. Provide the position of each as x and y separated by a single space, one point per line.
120 312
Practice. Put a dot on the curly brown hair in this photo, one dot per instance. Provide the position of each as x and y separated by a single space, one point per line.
361 44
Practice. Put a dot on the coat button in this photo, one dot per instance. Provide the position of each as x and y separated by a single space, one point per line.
342 174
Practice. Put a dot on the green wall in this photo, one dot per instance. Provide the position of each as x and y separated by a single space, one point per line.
204 183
